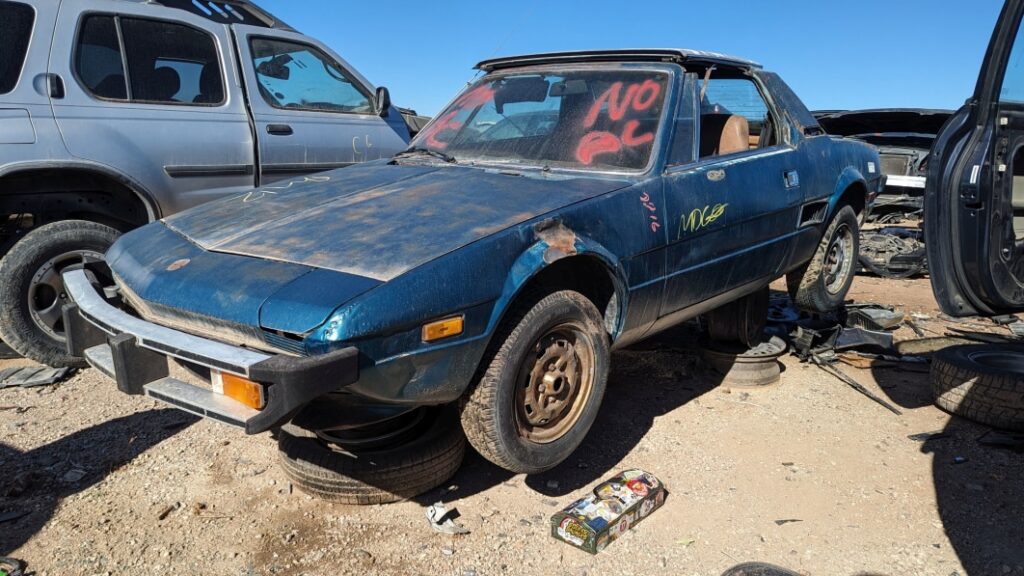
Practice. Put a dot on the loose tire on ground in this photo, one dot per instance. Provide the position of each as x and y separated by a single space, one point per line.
511 417
741 321
31 293
376 474
983 383
822 284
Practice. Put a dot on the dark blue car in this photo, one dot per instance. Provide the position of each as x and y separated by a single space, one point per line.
564 205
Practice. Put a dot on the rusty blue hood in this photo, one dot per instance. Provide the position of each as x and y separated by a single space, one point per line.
284 257
379 221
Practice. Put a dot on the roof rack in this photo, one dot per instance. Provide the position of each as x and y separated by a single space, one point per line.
227 12
676 55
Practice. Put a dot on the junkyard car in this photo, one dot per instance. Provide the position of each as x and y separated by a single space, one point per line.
562 206
892 244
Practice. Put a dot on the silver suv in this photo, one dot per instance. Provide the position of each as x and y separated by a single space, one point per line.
114 113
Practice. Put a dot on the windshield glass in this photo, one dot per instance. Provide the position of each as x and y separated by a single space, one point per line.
597 119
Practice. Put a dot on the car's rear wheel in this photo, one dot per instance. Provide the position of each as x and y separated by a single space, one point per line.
385 462
541 385
32 292
822 284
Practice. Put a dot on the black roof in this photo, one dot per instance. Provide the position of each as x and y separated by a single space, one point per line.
677 55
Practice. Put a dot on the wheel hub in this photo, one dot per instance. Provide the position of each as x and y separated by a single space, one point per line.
47 296
839 264
556 381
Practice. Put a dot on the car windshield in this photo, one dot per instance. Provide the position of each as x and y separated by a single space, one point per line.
587 119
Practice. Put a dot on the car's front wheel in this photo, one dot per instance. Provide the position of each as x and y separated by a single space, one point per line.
822 284
542 384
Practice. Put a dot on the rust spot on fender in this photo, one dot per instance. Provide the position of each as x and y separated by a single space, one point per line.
561 241
178 264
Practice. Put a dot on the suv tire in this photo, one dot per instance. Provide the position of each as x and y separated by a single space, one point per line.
981 383
821 285
32 292
420 458
541 384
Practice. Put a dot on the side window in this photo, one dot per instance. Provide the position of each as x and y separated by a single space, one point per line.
16 22
734 117
167 63
1013 81
301 77
171 63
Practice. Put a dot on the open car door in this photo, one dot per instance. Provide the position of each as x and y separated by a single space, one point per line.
974 197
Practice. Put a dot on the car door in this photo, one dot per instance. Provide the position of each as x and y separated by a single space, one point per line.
734 204
151 96
312 111
974 196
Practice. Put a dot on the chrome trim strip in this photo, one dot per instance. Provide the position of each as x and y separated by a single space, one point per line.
906 181
180 345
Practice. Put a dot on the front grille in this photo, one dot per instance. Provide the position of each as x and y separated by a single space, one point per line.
895 165
200 325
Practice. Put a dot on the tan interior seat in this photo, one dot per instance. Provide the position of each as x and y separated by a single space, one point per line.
722 134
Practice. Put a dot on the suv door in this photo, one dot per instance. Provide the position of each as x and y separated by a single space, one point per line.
153 97
974 196
312 111
732 210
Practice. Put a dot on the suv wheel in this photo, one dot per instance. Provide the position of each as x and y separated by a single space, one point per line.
822 285
541 388
32 292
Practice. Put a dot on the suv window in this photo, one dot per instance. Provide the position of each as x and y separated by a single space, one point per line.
301 77
168 63
16 21
727 97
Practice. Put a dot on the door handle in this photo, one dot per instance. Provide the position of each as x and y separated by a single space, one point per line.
55 86
792 178
280 130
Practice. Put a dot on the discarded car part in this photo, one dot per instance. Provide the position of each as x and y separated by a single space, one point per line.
609 511
927 347
32 292
758 569
873 318
542 386
374 467
822 284
983 383
895 253
33 376
443 520
11 567
747 368
859 338
824 365
742 320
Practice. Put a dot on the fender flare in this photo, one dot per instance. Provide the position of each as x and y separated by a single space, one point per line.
153 211
849 177
544 253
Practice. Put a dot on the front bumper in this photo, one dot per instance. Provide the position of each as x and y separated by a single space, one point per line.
135 353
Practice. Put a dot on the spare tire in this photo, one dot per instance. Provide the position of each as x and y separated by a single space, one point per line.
984 383
375 465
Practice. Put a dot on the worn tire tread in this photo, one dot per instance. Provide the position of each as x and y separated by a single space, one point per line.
804 283
983 394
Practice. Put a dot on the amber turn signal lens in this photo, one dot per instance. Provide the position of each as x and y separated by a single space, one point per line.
443 329
239 389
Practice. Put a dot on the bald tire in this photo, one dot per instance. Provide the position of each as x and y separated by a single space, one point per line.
488 417
375 476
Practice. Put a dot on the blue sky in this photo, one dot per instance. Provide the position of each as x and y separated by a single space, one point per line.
835 54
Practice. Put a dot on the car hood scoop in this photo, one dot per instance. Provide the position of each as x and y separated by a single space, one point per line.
378 221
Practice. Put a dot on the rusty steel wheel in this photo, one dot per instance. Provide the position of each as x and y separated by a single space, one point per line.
540 384
555 385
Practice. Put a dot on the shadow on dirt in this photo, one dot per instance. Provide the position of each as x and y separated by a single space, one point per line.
979 489
646 382
36 481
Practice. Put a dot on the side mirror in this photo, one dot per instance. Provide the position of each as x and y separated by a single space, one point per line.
383 102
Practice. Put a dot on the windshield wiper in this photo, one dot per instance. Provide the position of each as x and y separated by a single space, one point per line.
435 153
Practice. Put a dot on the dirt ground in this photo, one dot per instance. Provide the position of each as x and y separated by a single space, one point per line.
808 474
